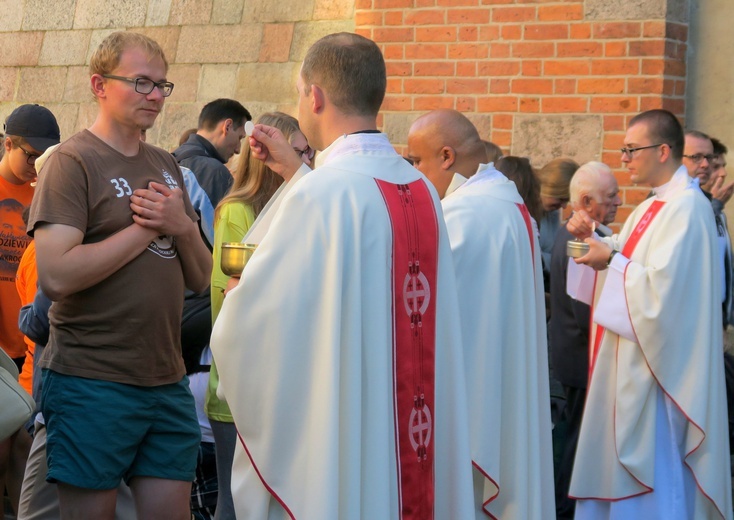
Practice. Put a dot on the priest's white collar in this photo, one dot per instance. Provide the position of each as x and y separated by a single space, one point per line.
486 173
457 181
351 144
679 182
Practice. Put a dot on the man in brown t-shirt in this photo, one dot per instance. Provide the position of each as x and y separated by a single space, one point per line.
117 243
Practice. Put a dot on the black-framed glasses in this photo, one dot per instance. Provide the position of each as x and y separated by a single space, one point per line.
144 85
307 152
29 156
630 151
698 157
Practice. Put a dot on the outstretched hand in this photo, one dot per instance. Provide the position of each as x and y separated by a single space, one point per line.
269 145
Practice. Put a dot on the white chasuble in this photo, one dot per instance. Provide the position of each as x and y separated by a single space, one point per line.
502 308
654 437
313 345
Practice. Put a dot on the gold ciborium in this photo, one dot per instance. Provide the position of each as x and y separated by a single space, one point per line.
234 257
576 248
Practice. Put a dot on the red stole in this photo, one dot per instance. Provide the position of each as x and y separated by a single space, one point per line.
627 250
414 282
526 217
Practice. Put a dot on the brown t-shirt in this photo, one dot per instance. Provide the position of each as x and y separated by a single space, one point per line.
127 328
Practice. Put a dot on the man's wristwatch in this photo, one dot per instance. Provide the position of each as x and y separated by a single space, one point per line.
611 255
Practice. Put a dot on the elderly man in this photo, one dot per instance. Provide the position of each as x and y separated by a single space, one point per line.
653 441
593 189
339 351
500 290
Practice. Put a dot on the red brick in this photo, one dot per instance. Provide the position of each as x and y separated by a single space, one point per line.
394 18
532 86
555 105
566 67
467 86
435 34
549 13
466 68
532 50
675 68
497 2
650 102
425 3
676 31
675 105
532 68
468 34
499 86
606 67
497 104
609 30
457 3
499 50
466 104
425 17
647 48
679 50
613 140
654 29
472 16
433 68
652 67
362 4
512 14
511 32
392 35
394 85
564 86
502 121
645 85
392 4
601 86
581 49
393 52
464 51
634 196
614 104
494 68
399 68
679 87
423 86
367 33
488 33
580 31
614 123
555 31
432 102
362 18
425 51
615 49
613 159
530 105
397 103
502 138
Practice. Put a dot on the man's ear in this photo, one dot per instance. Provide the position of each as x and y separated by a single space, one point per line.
586 202
448 157
7 144
318 99
97 84
227 126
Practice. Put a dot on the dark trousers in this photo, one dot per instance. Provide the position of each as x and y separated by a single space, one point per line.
566 449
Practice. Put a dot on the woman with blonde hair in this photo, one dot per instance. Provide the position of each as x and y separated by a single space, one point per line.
254 184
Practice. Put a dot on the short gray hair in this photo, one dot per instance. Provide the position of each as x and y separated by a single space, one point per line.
586 181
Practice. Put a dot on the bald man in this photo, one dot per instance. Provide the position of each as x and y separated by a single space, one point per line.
500 291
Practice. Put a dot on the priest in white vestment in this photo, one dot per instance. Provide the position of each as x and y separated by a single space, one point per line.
654 436
340 350
501 301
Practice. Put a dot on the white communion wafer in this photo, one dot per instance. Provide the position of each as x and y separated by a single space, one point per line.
249 127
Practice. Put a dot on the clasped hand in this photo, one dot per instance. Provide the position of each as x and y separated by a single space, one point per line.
161 209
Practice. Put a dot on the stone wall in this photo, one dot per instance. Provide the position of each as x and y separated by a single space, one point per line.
249 51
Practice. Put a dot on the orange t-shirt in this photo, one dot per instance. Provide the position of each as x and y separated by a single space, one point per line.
13 242
26 282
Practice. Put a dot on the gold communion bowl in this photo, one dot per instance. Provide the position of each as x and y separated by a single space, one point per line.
234 257
576 248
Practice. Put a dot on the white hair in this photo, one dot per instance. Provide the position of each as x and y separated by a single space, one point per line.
587 181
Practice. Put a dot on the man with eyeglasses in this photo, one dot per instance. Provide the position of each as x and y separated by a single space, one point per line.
117 243
30 129
653 441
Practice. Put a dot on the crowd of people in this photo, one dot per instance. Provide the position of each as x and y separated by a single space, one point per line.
390 348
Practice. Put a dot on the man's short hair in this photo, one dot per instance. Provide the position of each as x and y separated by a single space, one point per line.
663 127
351 69
586 181
107 56
696 134
220 109
719 147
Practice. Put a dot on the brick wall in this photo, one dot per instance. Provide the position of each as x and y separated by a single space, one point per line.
542 79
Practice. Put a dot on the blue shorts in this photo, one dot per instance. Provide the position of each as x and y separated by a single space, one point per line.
99 432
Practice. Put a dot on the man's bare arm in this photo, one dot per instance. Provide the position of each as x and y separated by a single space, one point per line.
66 266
